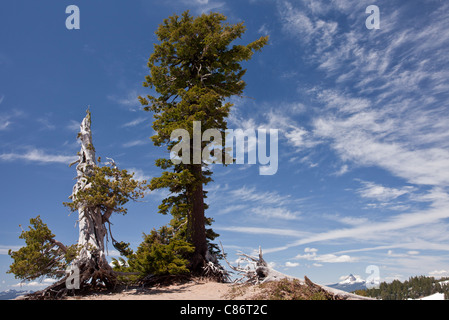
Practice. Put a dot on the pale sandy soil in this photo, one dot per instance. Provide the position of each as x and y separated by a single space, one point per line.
194 290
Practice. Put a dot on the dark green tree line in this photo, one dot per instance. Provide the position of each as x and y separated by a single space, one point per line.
413 288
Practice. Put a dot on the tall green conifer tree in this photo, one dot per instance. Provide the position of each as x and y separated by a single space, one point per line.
193 69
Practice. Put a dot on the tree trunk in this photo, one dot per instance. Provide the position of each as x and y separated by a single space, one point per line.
91 259
198 220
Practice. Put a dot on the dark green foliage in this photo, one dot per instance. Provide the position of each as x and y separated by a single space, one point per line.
123 248
193 69
42 255
160 253
109 189
413 288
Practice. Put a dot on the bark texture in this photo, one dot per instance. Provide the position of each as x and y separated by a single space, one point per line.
198 220
91 259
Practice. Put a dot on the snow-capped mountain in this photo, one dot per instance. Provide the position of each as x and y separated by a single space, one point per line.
12 294
350 284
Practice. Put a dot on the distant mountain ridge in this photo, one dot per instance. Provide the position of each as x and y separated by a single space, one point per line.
12 294
350 284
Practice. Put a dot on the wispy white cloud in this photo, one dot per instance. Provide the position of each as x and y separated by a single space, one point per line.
39 156
308 28
4 123
45 123
289 264
204 6
73 126
312 255
342 102
395 128
260 204
422 264
368 139
343 169
135 143
33 285
129 100
401 136
266 197
401 245
264 30
412 223
439 273
264 231
139 174
347 220
383 104
270 118
378 192
233 209
135 122
391 253
4 249
276 213
7 119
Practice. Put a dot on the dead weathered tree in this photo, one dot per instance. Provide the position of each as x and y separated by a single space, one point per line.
213 270
91 260
96 195
256 270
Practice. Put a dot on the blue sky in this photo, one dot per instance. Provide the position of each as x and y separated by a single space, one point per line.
362 114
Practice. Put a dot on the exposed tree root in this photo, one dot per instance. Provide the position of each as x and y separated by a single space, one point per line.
213 270
164 280
256 269
90 274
